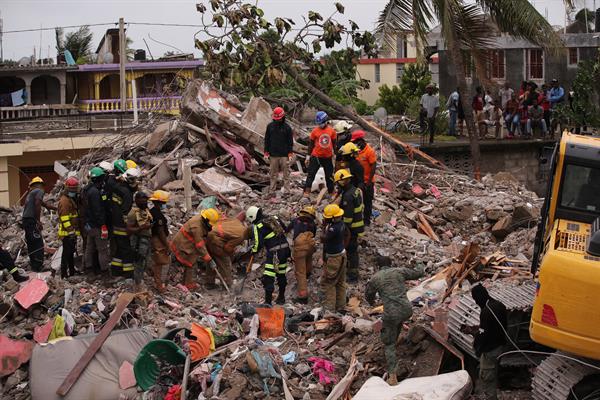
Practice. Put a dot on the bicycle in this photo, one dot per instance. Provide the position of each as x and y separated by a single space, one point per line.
410 126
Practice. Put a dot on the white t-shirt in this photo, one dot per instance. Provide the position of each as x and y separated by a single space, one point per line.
430 103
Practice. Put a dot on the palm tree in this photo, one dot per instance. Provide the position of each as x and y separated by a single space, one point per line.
78 42
467 28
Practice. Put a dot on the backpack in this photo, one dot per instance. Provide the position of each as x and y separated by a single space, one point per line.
274 224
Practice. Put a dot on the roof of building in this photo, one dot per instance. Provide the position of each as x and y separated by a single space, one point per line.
36 68
142 65
111 31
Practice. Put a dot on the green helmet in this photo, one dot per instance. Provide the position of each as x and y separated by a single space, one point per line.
96 172
120 165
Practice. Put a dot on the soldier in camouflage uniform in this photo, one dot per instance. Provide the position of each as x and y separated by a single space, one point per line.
389 283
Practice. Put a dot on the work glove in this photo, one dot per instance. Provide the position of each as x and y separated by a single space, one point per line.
290 155
103 232
266 154
212 264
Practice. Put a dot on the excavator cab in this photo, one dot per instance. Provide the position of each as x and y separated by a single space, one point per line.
566 311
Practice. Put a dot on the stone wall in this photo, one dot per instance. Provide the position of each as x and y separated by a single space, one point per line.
528 161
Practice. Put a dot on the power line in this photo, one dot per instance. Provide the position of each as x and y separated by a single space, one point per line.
58 27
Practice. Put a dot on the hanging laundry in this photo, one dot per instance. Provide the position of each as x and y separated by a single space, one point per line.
18 97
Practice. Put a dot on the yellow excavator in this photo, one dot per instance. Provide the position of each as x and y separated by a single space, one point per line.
566 259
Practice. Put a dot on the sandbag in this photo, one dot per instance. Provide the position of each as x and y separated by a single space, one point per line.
50 364
452 386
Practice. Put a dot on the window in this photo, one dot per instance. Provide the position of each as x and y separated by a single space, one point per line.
399 72
469 65
580 189
573 56
534 63
377 73
496 64
401 47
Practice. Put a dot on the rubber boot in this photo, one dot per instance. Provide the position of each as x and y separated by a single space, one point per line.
18 277
188 278
268 297
281 295
160 288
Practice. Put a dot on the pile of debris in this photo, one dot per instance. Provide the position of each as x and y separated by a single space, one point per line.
206 344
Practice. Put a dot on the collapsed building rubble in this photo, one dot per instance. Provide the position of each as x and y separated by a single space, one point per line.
212 155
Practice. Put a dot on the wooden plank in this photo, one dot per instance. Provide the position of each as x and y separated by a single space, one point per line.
427 229
122 303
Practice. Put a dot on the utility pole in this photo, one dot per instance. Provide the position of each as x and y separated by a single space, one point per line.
1 45
122 60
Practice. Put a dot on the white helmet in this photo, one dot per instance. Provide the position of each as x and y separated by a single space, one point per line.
107 166
252 213
132 173
342 126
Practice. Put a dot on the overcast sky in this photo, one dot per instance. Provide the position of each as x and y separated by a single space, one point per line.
31 14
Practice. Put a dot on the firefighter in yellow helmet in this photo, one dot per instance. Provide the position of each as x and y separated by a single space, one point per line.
225 235
347 160
333 279
189 244
159 239
32 224
352 205
304 229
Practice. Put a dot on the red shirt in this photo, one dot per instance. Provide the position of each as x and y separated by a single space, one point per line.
323 142
477 103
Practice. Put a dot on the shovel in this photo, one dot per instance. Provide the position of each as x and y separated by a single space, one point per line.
240 287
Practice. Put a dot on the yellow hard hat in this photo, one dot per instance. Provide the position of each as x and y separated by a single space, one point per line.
211 215
341 175
309 210
131 164
37 179
348 148
332 211
160 195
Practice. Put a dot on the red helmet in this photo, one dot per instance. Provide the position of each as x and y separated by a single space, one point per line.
358 135
278 113
72 183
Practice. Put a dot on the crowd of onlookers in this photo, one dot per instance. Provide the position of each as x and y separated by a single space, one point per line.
521 113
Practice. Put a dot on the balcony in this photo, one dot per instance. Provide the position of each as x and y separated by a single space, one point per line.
164 105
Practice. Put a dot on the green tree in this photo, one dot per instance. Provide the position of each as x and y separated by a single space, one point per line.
465 27
412 85
78 42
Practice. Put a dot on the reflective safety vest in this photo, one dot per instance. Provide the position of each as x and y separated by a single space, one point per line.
353 207
68 217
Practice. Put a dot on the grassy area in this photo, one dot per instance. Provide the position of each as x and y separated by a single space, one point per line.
417 138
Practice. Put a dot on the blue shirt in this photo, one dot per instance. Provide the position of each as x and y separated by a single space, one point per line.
557 95
334 237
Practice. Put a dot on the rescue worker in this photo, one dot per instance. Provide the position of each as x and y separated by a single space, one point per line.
320 153
490 338
7 263
352 204
119 167
333 279
368 159
269 232
279 146
189 244
347 160
304 230
139 224
121 203
159 240
224 237
389 283
342 129
68 226
97 254
32 224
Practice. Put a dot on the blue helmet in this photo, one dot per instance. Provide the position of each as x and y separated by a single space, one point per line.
321 117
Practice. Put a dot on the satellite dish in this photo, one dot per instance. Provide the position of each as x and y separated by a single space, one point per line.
108 58
380 115
24 61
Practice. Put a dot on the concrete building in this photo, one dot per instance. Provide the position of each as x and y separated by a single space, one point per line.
515 60
388 67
